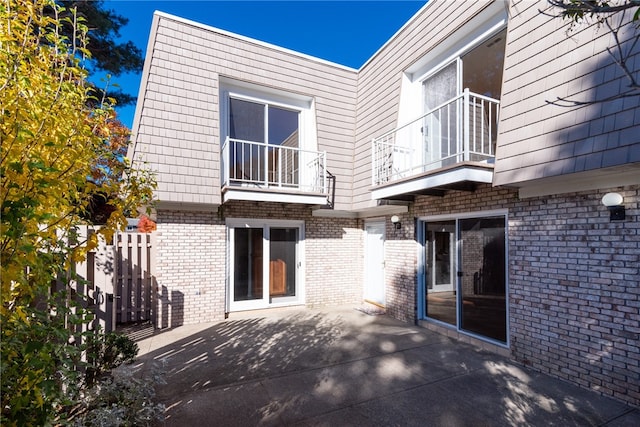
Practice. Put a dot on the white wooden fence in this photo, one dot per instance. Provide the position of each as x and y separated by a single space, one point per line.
118 279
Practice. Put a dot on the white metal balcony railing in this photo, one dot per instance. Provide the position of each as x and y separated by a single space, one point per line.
260 165
462 129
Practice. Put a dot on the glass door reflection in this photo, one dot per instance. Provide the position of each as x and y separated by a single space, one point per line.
483 282
440 271
248 262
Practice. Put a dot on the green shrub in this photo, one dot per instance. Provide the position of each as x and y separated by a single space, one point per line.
106 352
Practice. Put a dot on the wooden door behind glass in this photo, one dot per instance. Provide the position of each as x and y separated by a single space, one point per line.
283 261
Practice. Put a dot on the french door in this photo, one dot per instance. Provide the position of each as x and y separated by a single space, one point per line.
265 261
463 281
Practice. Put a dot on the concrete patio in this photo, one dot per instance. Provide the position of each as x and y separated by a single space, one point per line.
342 367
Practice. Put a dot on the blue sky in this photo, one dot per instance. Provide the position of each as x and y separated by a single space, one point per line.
345 32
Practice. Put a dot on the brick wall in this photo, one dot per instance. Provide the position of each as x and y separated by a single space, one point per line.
574 276
191 251
334 261
574 283
190 267
575 291
401 267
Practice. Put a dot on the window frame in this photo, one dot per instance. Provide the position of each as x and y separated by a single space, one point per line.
266 225
305 105
421 313
265 104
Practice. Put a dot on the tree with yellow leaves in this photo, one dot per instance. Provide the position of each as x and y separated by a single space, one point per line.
53 143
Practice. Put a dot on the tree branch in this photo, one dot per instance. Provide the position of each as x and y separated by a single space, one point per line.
620 52
573 8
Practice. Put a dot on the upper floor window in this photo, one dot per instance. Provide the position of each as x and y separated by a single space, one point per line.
479 70
262 122
265 115
470 57
460 100
264 142
482 66
449 103
269 139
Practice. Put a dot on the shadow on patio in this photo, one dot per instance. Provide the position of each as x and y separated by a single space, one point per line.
343 367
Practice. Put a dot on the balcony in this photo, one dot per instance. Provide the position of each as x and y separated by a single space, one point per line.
273 173
451 147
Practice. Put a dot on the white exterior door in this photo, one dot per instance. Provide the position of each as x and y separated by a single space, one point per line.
374 282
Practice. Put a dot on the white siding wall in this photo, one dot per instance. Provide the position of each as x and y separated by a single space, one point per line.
380 80
178 133
176 130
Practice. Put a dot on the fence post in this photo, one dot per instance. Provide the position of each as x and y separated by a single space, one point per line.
153 284
80 282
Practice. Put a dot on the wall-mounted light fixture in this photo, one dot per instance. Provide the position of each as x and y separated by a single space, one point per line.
395 220
613 202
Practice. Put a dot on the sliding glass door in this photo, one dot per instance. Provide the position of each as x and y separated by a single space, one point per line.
264 143
440 128
483 279
464 274
265 263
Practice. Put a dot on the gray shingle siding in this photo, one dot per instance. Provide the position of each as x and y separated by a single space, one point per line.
379 81
544 62
179 129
